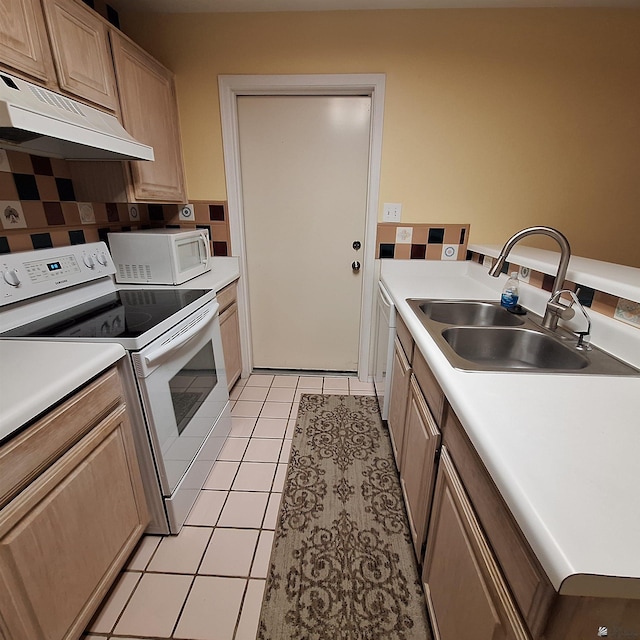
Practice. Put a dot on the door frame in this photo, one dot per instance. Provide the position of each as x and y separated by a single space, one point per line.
230 87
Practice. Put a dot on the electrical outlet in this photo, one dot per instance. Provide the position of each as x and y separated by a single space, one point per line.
391 212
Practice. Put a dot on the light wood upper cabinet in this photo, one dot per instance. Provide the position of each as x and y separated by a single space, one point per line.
150 114
24 48
80 47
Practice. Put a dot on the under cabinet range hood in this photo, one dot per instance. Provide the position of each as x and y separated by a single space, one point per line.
41 122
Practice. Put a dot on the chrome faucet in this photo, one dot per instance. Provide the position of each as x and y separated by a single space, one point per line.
566 313
555 309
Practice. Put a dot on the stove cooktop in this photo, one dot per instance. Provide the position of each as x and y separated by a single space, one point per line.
126 313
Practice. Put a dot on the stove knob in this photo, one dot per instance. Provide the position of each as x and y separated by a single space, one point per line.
102 258
11 277
89 261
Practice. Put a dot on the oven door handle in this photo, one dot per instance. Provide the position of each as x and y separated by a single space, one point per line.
189 333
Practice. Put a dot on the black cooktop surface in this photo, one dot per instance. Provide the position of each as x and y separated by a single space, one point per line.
127 313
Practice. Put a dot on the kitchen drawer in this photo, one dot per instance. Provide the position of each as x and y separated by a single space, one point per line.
406 340
227 296
527 580
26 456
430 387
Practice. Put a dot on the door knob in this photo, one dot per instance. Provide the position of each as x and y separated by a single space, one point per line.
355 265
356 244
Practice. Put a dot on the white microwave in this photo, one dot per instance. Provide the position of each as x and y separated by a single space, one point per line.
159 256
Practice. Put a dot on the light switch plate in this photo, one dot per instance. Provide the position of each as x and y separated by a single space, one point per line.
391 212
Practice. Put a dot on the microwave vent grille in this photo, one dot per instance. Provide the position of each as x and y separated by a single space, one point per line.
134 272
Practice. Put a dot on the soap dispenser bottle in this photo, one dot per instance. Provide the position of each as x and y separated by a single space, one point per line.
510 293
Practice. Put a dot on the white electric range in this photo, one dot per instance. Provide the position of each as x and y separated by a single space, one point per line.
172 337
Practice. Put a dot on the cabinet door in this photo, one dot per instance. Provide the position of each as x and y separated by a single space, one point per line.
466 594
23 40
399 395
230 331
417 471
64 538
528 583
150 114
80 46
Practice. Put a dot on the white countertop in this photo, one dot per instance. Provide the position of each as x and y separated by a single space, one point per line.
35 375
562 449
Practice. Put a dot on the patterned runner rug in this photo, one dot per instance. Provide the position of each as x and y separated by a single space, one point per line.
342 565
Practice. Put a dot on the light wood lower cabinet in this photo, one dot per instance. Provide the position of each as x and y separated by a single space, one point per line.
466 594
65 535
481 578
531 589
418 466
400 377
230 330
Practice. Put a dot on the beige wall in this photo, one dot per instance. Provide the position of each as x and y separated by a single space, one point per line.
497 118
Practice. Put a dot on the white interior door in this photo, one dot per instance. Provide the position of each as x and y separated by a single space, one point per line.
304 163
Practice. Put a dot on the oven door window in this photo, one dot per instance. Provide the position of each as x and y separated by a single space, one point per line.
184 392
191 386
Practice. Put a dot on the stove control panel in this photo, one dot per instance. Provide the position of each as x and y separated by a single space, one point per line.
29 274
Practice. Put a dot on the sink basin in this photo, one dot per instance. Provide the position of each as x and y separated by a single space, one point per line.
480 335
513 348
474 314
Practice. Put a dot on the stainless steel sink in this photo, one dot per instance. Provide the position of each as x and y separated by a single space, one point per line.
482 336
513 349
471 313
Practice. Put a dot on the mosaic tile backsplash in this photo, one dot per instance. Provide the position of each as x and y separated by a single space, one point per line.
626 311
422 241
39 209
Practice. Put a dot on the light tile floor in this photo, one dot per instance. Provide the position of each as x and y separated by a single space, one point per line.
207 582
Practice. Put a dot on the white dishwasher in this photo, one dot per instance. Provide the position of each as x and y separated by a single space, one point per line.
385 333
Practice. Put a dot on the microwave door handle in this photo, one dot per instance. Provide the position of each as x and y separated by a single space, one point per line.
206 248
151 358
